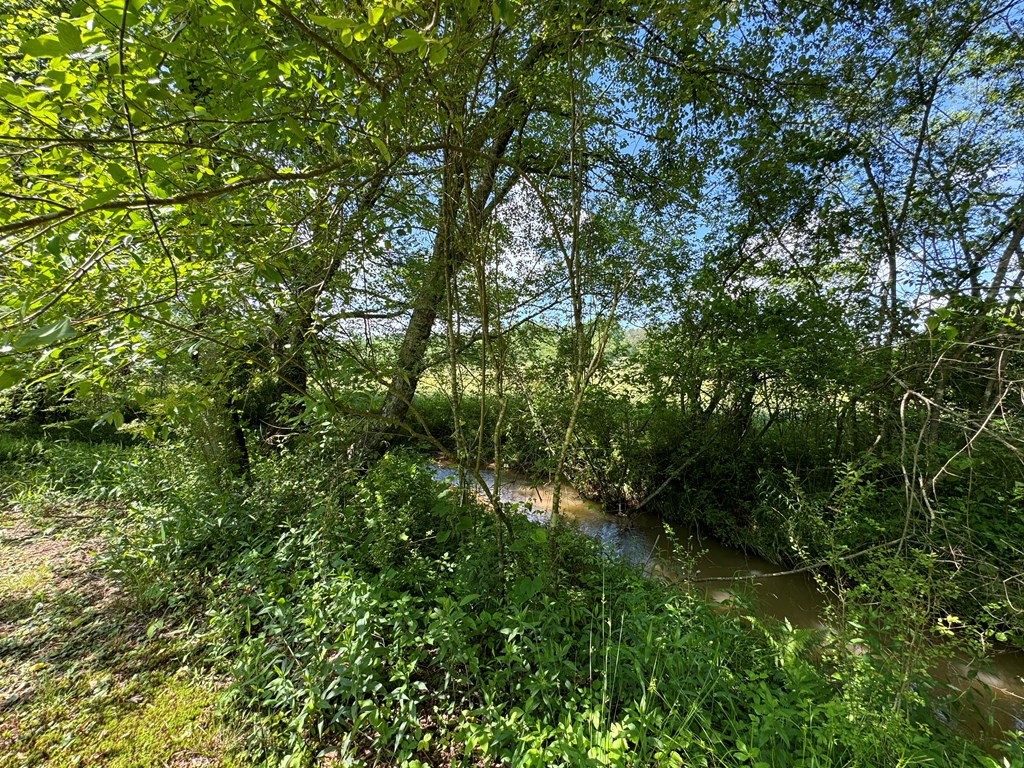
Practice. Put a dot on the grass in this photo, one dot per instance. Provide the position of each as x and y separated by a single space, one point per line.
85 678
177 726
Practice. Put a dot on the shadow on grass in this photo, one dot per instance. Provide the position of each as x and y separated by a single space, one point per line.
85 678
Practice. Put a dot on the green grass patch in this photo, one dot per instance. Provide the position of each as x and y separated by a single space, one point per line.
28 580
103 719
176 726
86 678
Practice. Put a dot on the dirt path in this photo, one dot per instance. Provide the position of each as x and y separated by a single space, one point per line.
85 678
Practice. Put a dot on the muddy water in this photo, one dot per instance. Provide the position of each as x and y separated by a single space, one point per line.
679 553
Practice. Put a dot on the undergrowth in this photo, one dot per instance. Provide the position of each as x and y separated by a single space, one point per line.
363 621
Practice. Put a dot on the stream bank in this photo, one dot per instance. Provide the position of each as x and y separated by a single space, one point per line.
679 554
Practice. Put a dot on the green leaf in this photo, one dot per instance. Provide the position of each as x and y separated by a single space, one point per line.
438 54
117 173
409 40
69 36
502 11
526 587
269 272
375 14
44 335
9 377
332 22
112 417
100 198
11 91
45 46
382 148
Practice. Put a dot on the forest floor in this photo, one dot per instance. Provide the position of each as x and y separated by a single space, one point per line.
87 679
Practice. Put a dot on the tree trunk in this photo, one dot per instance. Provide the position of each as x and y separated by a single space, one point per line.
295 331
411 360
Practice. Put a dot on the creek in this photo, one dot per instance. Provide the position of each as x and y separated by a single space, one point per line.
680 554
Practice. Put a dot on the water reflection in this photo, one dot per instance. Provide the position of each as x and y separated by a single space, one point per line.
673 552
